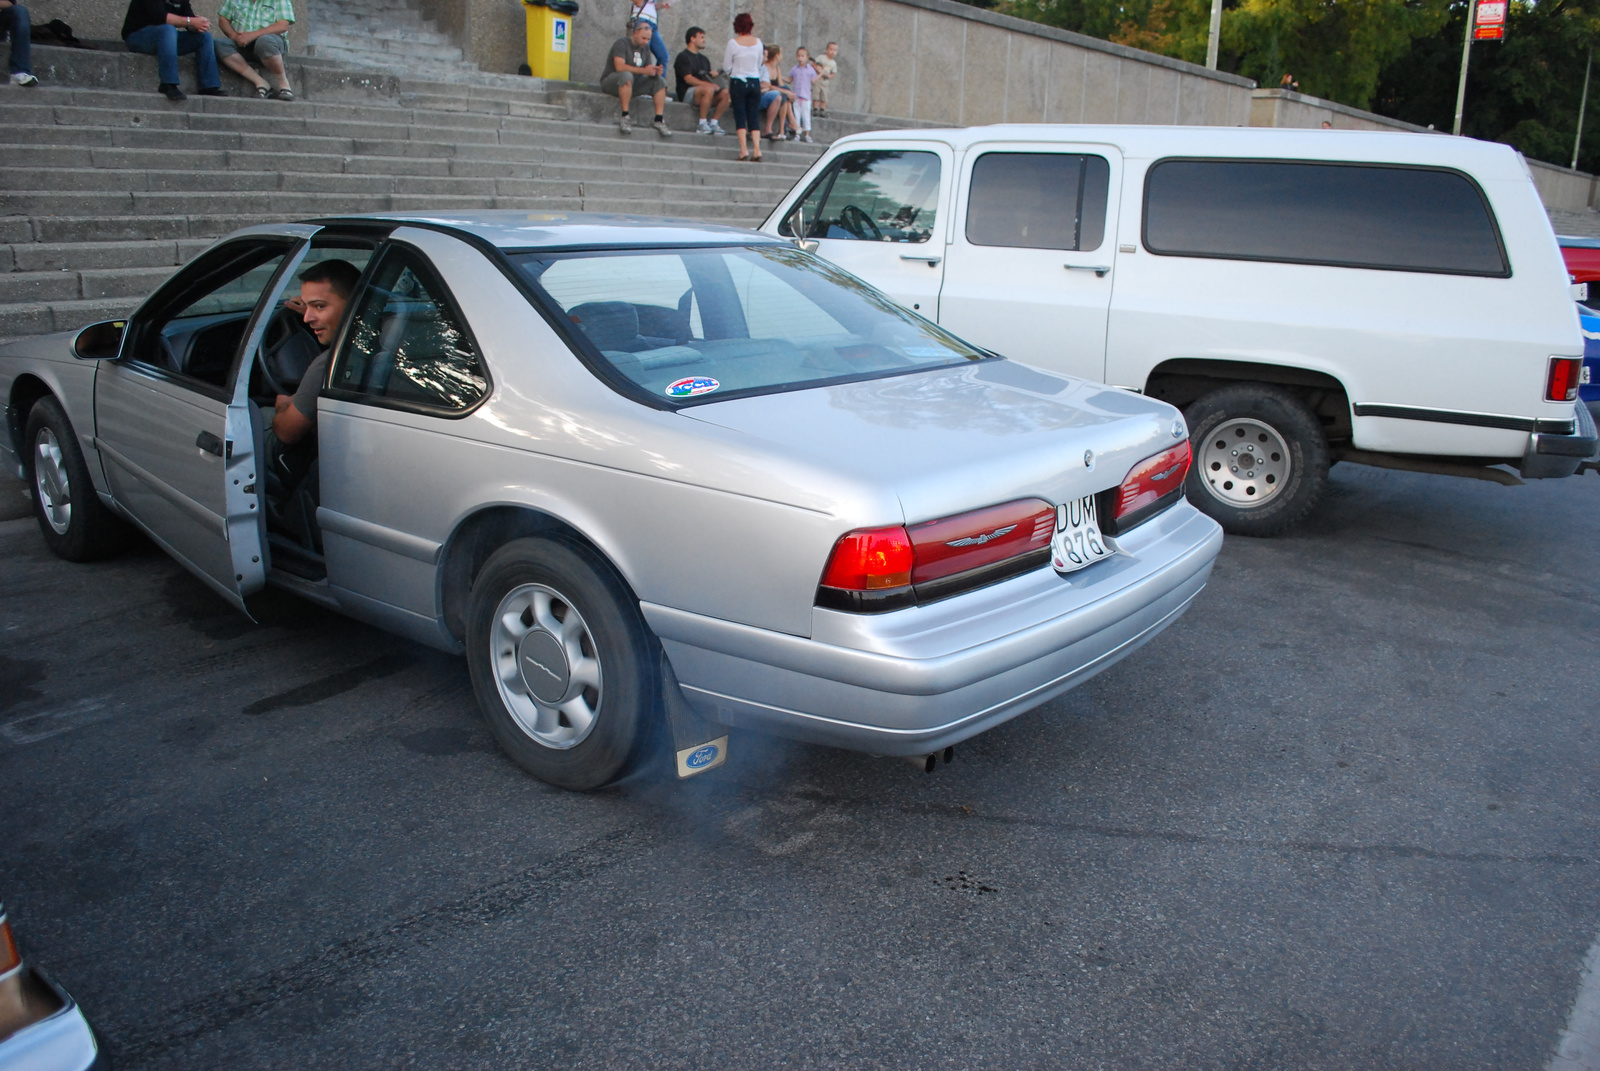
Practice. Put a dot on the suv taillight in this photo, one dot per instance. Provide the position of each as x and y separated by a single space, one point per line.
1150 487
1562 385
875 569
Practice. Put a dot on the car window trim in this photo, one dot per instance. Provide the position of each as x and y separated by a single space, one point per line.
139 322
341 345
1494 221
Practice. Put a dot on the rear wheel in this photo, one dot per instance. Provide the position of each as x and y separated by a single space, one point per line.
560 662
1260 458
75 524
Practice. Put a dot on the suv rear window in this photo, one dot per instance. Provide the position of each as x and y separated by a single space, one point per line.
1348 215
687 326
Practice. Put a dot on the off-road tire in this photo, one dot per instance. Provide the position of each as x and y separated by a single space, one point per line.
1267 415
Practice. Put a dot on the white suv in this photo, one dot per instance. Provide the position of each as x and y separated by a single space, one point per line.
1306 296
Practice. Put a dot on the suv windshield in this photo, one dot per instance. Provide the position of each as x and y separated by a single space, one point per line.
699 325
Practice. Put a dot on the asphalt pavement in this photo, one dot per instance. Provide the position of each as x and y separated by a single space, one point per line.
1343 814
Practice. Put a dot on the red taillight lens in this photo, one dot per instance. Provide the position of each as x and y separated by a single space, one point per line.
10 958
1151 480
983 537
1562 385
870 559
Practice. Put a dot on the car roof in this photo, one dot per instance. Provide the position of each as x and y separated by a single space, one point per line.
511 229
1148 142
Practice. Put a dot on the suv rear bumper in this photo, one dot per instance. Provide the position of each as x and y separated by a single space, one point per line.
918 680
1554 456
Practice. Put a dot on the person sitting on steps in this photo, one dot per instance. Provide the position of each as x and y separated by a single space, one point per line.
258 30
167 29
697 81
627 73
14 21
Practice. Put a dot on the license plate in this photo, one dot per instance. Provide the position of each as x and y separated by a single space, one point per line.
1077 541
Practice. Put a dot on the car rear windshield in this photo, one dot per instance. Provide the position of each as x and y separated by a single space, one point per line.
1298 212
689 326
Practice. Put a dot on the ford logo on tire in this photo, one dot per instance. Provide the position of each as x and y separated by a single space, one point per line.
702 757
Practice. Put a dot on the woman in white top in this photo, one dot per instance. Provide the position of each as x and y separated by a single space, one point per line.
742 60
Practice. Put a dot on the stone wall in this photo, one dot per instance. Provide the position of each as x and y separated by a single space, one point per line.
1563 188
1282 107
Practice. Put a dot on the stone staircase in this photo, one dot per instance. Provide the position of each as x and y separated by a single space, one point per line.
383 34
105 187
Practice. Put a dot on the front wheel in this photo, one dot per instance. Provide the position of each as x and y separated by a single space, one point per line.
75 524
1260 458
560 661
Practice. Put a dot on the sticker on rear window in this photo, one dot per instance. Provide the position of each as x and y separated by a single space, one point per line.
688 388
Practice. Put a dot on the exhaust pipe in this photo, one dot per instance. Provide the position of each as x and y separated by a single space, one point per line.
927 763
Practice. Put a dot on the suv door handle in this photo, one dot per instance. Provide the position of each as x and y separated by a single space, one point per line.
209 443
1098 269
933 262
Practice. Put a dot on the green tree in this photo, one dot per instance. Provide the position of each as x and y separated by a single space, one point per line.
1523 90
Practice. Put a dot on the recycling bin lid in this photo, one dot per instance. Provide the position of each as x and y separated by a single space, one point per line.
565 7
534 3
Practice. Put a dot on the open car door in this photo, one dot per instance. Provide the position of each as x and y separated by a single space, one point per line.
174 424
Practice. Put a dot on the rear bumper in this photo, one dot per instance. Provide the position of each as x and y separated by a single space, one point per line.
1555 456
62 1041
920 679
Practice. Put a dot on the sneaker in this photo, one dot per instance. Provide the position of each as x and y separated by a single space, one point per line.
806 137
171 91
661 127
704 127
625 124
716 127
23 78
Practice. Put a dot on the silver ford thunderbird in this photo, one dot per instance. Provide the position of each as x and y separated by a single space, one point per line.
653 478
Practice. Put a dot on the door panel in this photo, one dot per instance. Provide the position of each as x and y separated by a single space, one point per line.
881 215
172 415
1031 266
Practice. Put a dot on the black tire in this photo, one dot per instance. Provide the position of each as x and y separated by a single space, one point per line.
539 733
1287 454
85 529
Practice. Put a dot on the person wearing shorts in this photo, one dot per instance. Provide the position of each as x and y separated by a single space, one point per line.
627 75
258 30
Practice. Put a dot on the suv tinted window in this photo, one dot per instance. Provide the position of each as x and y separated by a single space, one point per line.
1352 215
872 197
407 344
1035 200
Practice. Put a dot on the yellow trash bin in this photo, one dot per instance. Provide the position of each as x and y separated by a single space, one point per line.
550 37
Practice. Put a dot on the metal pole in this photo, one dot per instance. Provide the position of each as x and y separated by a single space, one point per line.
1466 53
1216 35
1583 102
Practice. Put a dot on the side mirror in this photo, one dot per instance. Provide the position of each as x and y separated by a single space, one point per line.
796 222
100 342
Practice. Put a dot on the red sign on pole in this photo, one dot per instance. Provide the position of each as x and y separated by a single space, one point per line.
1489 23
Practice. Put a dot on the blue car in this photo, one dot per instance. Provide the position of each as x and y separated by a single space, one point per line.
1589 378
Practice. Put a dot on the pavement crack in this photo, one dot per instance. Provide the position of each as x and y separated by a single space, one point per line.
337 963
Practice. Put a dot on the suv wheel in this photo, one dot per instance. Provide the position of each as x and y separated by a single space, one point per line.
75 524
559 660
1260 458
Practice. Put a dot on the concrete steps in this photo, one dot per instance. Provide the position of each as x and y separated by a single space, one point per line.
106 188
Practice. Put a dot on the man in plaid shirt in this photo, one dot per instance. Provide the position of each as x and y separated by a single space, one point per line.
257 29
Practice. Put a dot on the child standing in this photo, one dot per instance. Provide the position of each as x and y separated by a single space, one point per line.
801 75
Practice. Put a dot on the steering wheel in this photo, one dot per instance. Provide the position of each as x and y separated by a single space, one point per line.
859 223
281 330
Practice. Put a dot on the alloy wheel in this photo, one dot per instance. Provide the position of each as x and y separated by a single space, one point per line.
546 665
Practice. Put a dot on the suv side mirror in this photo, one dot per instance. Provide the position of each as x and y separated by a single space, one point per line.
100 342
797 227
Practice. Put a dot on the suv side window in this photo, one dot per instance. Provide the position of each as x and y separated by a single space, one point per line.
872 196
408 345
1036 200
1384 216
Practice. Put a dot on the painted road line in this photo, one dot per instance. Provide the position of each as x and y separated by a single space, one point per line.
1579 1047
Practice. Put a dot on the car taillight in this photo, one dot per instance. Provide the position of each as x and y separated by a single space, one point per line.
1150 487
873 569
10 958
983 537
1562 385
870 559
